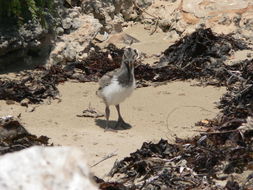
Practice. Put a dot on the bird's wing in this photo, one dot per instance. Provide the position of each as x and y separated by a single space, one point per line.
106 79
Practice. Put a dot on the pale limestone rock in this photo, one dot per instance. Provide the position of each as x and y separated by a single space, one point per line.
184 17
66 23
71 46
44 168
113 12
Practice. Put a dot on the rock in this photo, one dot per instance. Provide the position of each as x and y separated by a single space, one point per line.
228 14
185 16
109 11
71 20
45 168
71 47
59 30
66 23
214 7
225 20
74 14
122 38
10 128
25 102
165 24
17 43
144 3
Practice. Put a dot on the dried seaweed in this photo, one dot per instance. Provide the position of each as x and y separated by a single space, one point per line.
201 46
189 164
224 148
14 137
200 56
33 86
42 82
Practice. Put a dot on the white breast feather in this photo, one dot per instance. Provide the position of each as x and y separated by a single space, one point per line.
115 94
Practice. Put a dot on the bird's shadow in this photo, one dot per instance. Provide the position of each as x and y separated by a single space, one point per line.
102 123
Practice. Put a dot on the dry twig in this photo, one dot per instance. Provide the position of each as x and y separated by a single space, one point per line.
105 158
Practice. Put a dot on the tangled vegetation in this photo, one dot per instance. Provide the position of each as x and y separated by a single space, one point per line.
21 11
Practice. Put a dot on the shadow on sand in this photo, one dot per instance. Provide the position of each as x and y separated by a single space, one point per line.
102 123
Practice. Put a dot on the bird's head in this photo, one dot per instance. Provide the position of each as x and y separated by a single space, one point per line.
130 56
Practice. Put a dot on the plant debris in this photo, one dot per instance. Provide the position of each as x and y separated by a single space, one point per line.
217 154
91 112
34 87
200 55
42 82
201 46
14 137
223 149
188 164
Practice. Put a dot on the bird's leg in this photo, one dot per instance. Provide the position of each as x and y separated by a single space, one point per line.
121 122
107 115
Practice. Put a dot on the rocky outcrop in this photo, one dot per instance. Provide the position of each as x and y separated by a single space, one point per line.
181 17
29 44
78 30
45 168
114 12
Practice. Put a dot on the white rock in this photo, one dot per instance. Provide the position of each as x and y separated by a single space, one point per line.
43 168
71 46
66 23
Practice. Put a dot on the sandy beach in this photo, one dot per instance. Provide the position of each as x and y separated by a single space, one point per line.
158 112
153 112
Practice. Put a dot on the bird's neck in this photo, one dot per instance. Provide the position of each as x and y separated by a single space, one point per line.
127 74
128 69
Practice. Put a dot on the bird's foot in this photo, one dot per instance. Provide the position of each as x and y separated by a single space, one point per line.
121 124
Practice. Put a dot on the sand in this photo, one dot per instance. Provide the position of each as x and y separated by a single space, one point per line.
153 112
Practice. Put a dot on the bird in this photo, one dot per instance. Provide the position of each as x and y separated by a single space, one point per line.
115 86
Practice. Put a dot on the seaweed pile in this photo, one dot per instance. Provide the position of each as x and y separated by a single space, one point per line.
238 102
33 86
14 137
215 156
41 83
186 165
219 152
200 55
222 151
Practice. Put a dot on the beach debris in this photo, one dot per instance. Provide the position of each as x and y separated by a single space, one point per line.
224 146
91 112
106 157
14 137
33 87
201 46
188 164
200 55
